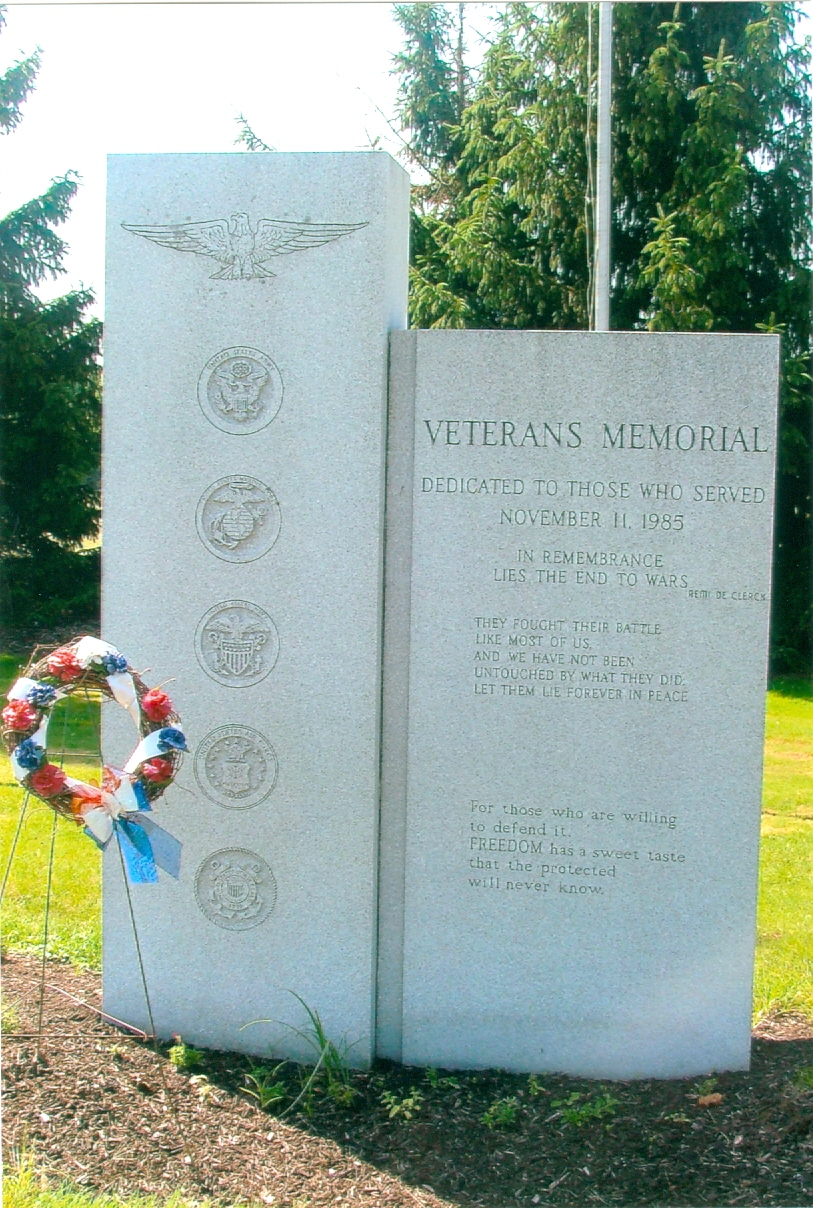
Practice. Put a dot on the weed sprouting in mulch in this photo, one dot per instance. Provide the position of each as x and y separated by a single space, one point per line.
99 1112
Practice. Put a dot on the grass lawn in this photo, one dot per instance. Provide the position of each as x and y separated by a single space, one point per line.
25 1187
784 959
74 924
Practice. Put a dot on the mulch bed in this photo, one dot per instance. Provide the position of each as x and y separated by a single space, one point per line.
103 1111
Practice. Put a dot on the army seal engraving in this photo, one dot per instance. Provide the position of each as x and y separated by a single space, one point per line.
236 767
238 518
240 390
236 643
235 889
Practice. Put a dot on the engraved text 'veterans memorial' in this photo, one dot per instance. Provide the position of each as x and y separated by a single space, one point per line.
577 596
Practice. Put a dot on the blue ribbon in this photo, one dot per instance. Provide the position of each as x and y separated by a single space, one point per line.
146 847
136 848
166 848
141 796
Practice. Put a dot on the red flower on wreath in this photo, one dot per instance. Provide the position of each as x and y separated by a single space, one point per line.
157 770
156 704
19 715
47 781
63 664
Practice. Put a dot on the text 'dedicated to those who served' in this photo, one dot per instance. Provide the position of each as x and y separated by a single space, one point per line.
588 520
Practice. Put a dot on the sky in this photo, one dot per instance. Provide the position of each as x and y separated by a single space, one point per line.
151 77
173 77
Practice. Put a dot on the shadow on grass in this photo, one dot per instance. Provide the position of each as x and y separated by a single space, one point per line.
799 686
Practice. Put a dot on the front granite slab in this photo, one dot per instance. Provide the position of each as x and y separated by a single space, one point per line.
577 625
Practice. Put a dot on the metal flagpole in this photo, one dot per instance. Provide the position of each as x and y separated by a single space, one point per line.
604 175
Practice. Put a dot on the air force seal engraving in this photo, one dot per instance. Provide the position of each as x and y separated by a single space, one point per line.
236 767
240 390
238 518
235 889
236 643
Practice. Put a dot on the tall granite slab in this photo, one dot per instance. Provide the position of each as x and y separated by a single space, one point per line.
570 824
249 300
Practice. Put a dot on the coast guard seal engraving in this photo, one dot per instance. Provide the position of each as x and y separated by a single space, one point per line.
235 889
236 643
236 767
240 390
241 252
238 518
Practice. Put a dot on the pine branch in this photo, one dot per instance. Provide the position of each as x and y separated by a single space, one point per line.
30 250
15 86
248 138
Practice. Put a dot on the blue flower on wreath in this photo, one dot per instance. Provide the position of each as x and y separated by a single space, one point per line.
113 663
41 696
29 754
170 739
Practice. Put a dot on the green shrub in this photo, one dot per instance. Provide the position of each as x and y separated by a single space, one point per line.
503 1113
183 1057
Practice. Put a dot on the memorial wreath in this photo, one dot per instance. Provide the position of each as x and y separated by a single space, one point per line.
125 795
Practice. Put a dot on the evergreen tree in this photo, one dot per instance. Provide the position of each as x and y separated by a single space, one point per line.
15 86
50 409
711 198
432 96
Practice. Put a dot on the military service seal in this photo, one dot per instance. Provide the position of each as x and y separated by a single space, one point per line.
238 518
236 643
240 390
235 889
236 767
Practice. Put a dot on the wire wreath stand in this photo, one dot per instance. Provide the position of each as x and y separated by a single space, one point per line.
118 810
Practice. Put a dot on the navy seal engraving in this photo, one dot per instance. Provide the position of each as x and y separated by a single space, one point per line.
235 889
236 643
243 253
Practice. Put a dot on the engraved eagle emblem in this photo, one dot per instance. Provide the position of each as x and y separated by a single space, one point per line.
244 253
238 643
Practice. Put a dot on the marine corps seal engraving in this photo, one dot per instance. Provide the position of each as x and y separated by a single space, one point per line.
236 767
235 889
238 518
240 390
236 643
